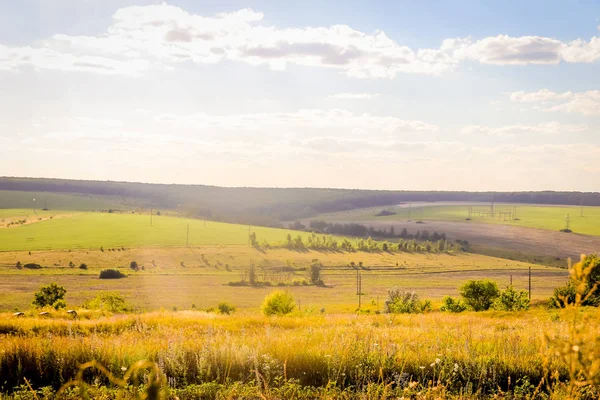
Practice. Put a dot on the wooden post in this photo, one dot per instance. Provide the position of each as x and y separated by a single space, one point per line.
530 283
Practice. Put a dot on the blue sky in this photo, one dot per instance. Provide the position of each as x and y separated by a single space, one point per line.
440 95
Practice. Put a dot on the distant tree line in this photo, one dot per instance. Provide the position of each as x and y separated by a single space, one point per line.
270 206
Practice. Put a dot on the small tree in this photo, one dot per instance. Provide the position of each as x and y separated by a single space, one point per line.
511 300
588 290
315 272
278 302
50 295
225 308
134 266
480 295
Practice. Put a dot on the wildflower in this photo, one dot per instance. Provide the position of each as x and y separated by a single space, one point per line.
123 369
437 361
432 364
422 367
575 348
455 367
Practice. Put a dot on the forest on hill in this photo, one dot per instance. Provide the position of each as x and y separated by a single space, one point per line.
269 206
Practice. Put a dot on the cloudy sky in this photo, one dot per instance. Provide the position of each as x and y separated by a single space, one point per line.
441 95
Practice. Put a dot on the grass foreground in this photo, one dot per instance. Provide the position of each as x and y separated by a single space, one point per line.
471 355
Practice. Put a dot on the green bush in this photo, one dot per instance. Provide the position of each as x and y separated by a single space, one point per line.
49 295
404 302
450 304
278 302
591 291
82 266
111 274
134 266
480 295
108 301
315 272
225 308
32 266
59 304
511 300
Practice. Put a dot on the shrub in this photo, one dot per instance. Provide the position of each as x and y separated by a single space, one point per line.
450 304
59 304
19 265
111 274
32 266
480 295
315 272
49 295
225 308
134 266
278 302
404 302
82 266
108 301
590 293
511 300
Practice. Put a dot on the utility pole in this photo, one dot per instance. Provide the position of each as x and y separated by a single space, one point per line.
150 217
568 222
409 211
34 206
511 280
187 239
529 283
581 206
359 288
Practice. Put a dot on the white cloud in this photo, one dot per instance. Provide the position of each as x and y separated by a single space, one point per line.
550 128
585 103
523 50
144 37
354 96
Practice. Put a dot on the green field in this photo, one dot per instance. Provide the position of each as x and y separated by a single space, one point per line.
12 199
92 230
534 216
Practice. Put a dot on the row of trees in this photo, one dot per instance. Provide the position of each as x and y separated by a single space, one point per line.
359 230
329 243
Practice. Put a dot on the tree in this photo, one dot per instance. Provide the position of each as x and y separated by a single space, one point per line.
511 300
480 295
50 295
404 302
225 308
134 266
278 302
315 272
253 240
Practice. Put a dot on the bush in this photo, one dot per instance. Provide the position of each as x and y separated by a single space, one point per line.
404 302
315 272
111 274
49 295
59 304
511 300
278 302
450 304
590 293
134 266
82 266
225 308
480 295
32 266
19 265
108 301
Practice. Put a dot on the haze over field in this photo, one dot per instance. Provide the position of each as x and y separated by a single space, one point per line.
380 95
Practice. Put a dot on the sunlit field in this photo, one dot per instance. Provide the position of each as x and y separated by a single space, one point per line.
542 217
300 356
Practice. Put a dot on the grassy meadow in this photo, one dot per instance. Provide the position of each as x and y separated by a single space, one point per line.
324 349
432 356
533 216
92 230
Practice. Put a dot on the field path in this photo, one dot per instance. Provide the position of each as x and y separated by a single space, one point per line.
517 238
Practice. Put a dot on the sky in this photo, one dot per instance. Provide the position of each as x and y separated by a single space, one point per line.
399 95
